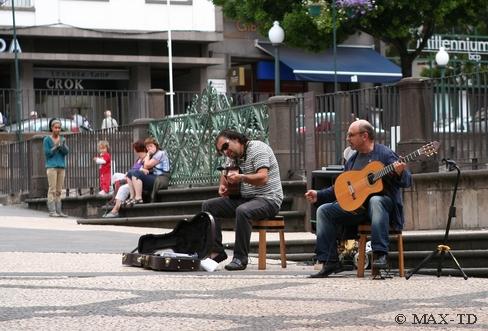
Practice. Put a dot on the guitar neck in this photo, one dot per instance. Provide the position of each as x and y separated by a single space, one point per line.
390 168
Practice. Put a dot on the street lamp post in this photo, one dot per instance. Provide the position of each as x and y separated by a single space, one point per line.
276 35
17 75
442 58
337 112
334 42
314 10
170 60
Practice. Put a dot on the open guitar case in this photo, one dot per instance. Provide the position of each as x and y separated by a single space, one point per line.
194 237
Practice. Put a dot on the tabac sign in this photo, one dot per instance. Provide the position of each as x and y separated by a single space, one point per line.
474 46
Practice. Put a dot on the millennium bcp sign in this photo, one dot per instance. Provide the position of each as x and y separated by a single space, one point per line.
474 46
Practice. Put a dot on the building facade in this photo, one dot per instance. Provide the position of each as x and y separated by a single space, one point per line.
70 48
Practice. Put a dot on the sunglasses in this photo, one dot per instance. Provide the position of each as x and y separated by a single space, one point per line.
225 146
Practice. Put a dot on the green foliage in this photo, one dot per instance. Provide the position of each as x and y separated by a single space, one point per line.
400 23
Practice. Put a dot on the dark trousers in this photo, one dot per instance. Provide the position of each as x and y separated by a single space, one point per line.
330 216
244 211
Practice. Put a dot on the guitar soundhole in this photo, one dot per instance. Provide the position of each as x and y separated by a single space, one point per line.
371 179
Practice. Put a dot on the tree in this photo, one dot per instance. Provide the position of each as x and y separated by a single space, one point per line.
399 23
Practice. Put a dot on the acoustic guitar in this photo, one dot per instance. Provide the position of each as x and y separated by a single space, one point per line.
353 187
233 190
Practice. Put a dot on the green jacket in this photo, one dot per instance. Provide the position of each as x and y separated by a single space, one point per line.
55 157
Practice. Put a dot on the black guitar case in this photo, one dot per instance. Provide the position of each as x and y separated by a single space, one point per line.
193 237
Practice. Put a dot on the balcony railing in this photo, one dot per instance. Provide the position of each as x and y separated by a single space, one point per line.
18 3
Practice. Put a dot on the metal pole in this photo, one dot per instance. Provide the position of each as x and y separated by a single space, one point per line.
443 94
170 59
18 105
277 70
334 42
337 112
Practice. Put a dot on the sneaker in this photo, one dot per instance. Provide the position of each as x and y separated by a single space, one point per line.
103 193
111 215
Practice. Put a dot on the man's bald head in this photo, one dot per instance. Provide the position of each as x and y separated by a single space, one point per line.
363 126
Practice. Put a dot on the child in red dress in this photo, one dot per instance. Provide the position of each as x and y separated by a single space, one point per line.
105 171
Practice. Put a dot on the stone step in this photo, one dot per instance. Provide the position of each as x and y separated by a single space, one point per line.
473 261
293 220
189 207
207 192
174 203
458 240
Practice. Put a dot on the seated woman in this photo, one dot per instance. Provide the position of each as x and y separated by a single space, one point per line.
156 163
124 191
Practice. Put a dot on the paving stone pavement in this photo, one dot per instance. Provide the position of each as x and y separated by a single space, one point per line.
70 286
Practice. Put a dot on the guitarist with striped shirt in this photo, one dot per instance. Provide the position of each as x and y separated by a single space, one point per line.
382 209
260 195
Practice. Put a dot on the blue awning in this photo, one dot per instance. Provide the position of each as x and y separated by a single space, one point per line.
353 64
265 71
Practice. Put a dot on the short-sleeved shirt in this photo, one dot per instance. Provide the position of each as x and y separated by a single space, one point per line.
162 167
259 155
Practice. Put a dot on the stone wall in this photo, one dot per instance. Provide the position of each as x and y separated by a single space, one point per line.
427 201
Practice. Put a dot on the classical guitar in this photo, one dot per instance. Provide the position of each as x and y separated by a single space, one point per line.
353 187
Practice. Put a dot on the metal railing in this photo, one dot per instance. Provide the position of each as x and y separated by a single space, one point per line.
125 105
190 140
14 174
457 117
91 104
378 105
457 106
460 117
82 172
18 3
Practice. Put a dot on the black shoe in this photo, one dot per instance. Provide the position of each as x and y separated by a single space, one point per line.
236 264
327 269
222 256
381 262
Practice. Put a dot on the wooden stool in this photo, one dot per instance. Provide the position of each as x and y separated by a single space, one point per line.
276 223
364 231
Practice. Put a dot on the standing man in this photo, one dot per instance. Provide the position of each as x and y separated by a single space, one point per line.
109 122
260 192
382 210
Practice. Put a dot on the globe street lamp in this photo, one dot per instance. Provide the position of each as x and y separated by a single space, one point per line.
276 35
442 58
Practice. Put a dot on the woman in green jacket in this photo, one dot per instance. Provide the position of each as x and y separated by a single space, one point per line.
55 151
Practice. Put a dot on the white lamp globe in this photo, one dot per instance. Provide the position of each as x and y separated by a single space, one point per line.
442 57
276 34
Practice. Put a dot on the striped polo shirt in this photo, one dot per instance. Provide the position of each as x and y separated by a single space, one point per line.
260 155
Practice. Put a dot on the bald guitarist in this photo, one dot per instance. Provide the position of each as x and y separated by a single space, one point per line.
381 209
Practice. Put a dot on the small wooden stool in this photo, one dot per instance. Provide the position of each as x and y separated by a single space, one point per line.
364 231
276 223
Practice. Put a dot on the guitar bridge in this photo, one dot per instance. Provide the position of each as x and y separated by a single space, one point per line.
351 190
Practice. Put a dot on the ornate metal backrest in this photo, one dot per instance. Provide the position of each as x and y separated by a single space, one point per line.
190 140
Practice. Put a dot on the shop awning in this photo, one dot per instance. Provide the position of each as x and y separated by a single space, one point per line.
353 64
